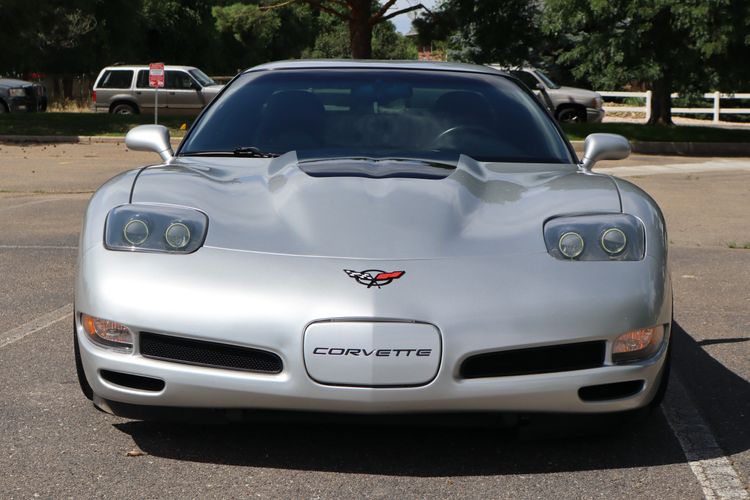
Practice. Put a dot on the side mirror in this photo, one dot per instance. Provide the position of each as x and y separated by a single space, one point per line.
150 138
599 147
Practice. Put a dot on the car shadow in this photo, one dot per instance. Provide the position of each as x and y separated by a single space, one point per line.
432 448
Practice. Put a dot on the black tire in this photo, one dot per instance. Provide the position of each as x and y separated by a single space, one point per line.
123 109
3 108
570 114
82 381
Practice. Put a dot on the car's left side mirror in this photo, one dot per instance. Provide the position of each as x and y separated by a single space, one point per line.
153 138
598 147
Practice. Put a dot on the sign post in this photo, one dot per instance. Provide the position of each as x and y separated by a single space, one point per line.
156 81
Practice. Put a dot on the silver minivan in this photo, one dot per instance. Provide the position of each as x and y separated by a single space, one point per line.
124 90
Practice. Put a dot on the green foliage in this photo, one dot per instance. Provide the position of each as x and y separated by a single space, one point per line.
682 44
490 31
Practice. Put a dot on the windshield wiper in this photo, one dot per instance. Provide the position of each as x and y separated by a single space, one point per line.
253 152
249 151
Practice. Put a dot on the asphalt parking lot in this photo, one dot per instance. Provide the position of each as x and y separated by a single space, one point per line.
53 443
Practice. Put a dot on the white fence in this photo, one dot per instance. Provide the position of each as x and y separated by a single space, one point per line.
715 111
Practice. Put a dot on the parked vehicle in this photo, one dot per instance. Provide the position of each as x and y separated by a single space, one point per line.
569 104
125 90
373 237
19 96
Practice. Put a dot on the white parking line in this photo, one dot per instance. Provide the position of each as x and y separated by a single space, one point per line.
37 247
35 325
26 203
707 460
677 168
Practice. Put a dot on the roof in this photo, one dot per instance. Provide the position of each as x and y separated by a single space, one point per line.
373 64
145 66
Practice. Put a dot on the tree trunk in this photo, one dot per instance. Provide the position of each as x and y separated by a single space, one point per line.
661 103
360 30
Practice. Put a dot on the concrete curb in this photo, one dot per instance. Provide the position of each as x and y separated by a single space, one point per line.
684 148
67 139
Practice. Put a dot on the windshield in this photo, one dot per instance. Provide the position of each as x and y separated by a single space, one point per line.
377 113
547 81
202 78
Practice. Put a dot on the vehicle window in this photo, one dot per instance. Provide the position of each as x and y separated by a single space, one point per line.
527 78
178 80
547 80
116 79
376 113
201 77
142 81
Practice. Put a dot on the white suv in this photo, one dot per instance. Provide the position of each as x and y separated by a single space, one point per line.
125 90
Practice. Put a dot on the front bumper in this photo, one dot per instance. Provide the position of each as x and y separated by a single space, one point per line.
594 115
267 302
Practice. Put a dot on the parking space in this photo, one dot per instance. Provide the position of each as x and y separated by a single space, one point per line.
55 444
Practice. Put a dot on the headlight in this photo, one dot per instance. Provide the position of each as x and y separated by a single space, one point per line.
155 228
17 92
597 102
107 333
595 237
638 344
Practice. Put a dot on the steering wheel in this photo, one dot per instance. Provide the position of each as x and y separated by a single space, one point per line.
461 129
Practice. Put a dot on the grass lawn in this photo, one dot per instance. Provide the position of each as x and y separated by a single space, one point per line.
658 133
82 123
118 125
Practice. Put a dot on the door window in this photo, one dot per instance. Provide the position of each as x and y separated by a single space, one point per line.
178 80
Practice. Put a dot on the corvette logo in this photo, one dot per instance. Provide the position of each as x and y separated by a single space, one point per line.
374 277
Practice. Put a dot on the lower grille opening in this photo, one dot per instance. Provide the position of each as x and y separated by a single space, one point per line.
605 392
535 360
133 381
215 355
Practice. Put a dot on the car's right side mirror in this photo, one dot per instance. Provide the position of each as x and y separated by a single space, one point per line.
599 147
154 138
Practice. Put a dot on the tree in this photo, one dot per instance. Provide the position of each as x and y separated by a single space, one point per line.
488 31
332 41
671 46
265 35
361 17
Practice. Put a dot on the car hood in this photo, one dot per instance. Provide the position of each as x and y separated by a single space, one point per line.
13 83
273 206
212 89
573 94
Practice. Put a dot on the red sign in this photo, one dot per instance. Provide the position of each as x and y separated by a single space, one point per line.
156 75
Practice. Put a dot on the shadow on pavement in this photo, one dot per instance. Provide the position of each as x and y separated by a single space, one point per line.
406 449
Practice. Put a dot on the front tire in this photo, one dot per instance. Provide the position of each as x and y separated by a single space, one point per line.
570 114
123 109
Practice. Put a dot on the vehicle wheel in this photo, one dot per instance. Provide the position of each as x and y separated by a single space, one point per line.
124 109
3 109
571 115
85 387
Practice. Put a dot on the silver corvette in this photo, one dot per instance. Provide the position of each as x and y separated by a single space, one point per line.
372 237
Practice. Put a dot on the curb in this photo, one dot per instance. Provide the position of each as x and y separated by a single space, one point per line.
68 139
684 148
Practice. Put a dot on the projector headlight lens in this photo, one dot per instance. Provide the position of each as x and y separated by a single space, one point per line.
614 241
177 235
135 232
571 244
155 228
